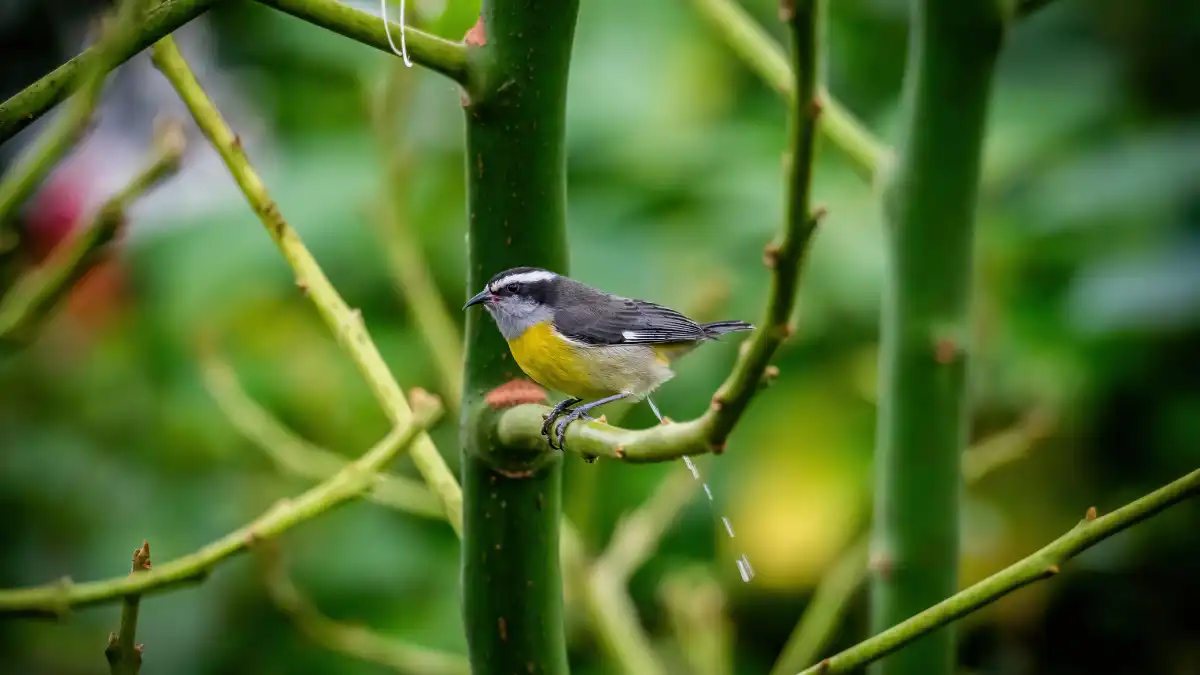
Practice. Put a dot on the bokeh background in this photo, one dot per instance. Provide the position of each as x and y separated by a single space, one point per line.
1088 310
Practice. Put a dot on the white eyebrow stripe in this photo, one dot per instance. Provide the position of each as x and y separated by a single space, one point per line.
524 278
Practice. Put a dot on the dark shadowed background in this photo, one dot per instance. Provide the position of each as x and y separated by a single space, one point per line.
1087 308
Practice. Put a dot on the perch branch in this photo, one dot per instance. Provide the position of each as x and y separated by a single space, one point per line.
123 654
435 53
55 599
760 52
35 295
346 324
355 641
1043 564
33 165
297 456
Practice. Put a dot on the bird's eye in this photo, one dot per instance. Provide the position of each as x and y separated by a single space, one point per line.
512 288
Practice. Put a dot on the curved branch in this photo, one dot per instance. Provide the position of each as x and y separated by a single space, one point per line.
520 426
347 324
27 105
55 599
435 53
1045 563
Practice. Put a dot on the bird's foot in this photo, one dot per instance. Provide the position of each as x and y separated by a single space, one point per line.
561 429
552 415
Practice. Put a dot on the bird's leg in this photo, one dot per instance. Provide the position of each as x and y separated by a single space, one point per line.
555 412
581 413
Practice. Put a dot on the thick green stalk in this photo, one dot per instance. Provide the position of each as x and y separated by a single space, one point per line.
929 206
516 183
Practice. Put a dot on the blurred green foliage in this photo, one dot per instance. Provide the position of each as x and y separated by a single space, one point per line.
1088 305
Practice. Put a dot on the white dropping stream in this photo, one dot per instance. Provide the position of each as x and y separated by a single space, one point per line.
743 563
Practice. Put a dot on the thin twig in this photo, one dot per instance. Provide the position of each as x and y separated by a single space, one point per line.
355 641
346 324
28 171
34 295
766 58
408 267
611 613
1043 564
123 654
697 614
637 534
437 54
297 456
56 599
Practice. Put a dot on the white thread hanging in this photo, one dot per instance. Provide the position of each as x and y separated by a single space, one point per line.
403 51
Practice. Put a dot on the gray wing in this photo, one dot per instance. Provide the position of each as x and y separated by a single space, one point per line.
594 317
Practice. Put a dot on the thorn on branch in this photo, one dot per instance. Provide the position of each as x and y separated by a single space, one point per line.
945 351
787 10
717 448
818 214
771 255
1052 570
1091 513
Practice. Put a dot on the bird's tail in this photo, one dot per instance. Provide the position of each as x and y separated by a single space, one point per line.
719 328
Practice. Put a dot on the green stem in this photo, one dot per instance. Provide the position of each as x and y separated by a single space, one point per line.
123 653
431 51
929 205
37 99
55 599
35 164
516 186
1045 563
34 295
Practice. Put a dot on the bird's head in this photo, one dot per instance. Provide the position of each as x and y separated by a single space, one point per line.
519 298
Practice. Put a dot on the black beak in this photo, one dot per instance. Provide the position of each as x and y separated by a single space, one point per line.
482 296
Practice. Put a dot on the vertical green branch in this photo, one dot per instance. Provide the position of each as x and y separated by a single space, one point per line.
929 204
123 653
516 184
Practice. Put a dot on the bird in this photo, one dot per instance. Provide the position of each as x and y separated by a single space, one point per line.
592 346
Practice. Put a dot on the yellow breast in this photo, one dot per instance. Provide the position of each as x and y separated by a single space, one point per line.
553 362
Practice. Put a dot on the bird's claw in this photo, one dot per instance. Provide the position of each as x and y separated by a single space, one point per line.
561 429
548 419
